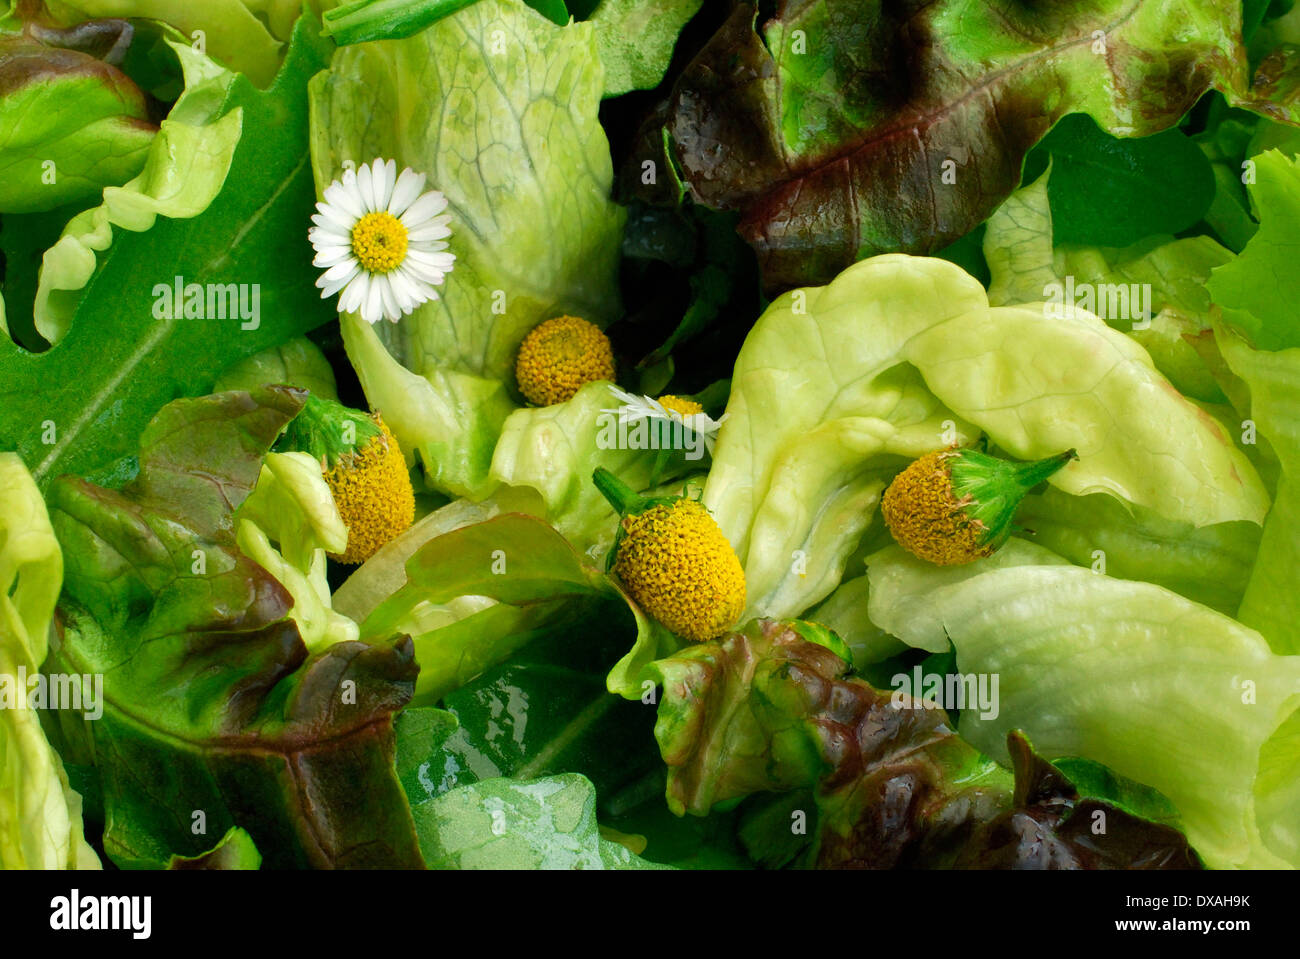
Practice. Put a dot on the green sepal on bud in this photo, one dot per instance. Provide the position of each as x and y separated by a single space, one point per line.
955 506
329 432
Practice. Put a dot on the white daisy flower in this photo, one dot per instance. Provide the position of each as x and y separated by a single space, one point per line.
381 242
671 408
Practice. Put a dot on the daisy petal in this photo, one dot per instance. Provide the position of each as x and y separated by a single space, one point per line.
345 198
408 187
331 255
339 269
391 310
331 216
333 286
385 178
366 187
372 309
428 233
425 208
355 293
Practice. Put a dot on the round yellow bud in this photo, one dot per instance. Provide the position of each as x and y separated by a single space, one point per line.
561 356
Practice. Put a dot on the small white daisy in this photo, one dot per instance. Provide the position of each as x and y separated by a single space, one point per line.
381 241
672 408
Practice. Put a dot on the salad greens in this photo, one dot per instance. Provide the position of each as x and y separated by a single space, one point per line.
1171 705
185 168
785 254
766 709
132 344
73 122
814 122
216 714
519 86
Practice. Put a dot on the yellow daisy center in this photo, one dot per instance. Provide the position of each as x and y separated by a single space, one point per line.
379 242
679 405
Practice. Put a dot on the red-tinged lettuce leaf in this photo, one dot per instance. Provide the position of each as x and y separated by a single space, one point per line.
1051 827
214 715
63 101
841 128
80 406
765 710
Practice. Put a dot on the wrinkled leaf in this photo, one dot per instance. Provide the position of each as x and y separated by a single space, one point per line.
74 123
1156 687
894 786
214 713
841 129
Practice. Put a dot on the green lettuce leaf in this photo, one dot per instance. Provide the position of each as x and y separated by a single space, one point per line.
531 241
555 449
235 851
845 612
822 413
546 710
287 525
810 125
185 168
297 362
1026 267
81 406
1270 603
515 561
837 387
1209 565
231 31
896 605
215 714
40 814
1257 290
1154 686
364 21
74 122
1115 190
478 584
379 577
893 784
1074 383
1254 292
636 39
547 823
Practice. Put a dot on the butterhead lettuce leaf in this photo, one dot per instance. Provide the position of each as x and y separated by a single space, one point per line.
40 813
837 387
1158 688
287 525
184 169
73 122
546 823
1026 266
1260 341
